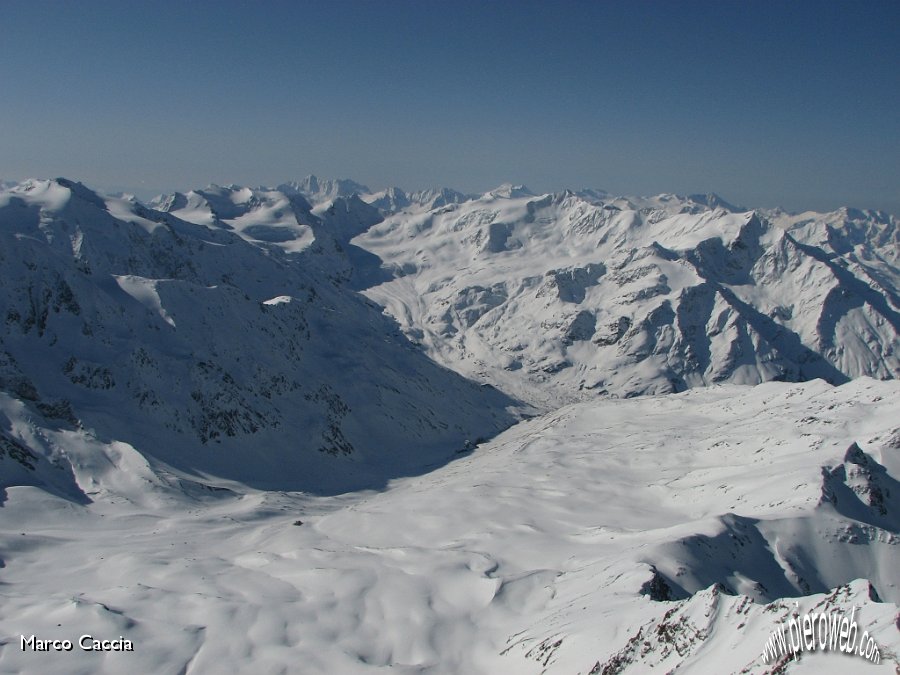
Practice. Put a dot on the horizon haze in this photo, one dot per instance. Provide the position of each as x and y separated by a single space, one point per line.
790 105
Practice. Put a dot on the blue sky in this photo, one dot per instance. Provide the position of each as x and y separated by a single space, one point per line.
766 103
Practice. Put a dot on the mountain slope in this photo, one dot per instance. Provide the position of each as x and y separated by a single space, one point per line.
213 355
558 297
189 393
608 537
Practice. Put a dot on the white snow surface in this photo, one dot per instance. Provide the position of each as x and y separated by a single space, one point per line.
259 216
561 297
224 436
177 340
144 291
532 554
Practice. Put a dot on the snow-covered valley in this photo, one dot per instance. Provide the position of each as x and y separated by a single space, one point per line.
544 455
535 553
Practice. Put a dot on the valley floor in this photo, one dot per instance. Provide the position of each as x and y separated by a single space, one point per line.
608 537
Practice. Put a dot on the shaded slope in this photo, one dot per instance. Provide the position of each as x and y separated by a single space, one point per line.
214 355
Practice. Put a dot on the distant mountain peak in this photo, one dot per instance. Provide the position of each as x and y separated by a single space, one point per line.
511 191
714 201
318 189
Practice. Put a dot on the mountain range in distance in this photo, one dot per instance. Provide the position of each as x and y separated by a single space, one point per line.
441 432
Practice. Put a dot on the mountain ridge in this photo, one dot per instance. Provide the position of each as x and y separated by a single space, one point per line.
640 279
444 433
174 337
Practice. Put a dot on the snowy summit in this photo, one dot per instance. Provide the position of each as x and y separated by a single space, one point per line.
321 428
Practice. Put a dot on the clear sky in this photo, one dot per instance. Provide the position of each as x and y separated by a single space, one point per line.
766 103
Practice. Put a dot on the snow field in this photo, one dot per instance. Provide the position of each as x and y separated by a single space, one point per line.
546 534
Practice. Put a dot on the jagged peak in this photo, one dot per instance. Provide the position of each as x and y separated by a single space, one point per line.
714 201
510 191
320 189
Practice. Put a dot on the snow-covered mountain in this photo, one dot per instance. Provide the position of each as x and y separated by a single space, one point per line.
556 297
210 350
609 536
227 420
